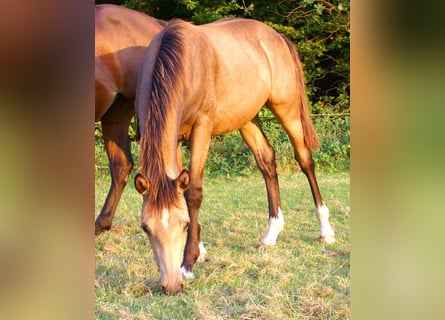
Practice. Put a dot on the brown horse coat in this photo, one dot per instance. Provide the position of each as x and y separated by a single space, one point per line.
199 81
122 36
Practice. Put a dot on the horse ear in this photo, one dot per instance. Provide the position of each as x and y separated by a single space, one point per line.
183 181
141 184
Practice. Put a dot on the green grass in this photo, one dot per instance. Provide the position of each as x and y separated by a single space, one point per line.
299 278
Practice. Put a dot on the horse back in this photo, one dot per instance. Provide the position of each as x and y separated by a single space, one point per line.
253 66
121 37
117 28
251 47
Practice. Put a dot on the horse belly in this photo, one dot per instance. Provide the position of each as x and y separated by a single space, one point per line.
236 111
239 97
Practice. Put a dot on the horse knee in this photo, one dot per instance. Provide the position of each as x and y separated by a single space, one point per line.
267 162
268 157
194 197
129 165
120 172
127 170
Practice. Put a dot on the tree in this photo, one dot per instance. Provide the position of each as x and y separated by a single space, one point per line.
319 28
320 31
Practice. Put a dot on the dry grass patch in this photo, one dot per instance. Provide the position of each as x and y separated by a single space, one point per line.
299 278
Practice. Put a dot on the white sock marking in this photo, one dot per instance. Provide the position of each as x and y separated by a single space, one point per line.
187 275
275 227
202 253
326 232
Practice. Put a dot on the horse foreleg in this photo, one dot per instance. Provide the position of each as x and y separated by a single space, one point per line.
199 146
115 125
265 159
202 250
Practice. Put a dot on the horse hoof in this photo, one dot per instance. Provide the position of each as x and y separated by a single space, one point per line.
98 229
187 274
329 239
268 242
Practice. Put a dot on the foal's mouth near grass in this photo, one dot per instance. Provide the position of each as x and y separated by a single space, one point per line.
298 278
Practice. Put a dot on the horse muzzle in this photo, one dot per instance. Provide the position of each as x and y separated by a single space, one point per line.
173 289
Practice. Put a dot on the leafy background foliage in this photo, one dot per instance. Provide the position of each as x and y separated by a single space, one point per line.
320 31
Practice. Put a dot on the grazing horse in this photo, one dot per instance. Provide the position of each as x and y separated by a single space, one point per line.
200 81
122 36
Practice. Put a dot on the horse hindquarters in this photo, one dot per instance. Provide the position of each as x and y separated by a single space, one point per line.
293 113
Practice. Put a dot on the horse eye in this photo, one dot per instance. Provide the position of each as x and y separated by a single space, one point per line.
186 228
145 228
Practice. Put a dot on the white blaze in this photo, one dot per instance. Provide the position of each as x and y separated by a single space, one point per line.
165 217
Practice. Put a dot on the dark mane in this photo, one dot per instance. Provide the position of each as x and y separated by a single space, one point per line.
166 78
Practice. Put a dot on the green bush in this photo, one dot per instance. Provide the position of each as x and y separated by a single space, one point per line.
230 156
319 28
334 135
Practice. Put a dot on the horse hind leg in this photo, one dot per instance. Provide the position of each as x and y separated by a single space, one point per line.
265 159
303 156
115 124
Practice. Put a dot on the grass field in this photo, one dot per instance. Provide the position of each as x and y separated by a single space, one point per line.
299 278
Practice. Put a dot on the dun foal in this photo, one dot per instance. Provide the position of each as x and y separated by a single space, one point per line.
200 81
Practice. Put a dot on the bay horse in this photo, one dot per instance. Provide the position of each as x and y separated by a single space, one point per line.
200 81
122 36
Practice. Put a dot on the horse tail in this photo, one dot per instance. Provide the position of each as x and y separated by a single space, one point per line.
310 136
